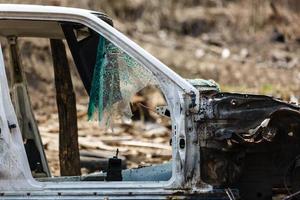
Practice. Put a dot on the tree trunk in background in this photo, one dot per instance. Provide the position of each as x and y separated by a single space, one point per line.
66 104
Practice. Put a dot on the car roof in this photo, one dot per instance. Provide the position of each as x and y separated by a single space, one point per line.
36 28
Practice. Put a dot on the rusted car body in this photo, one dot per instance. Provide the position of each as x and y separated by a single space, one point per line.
224 145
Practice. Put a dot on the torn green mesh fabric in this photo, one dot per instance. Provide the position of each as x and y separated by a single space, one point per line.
117 77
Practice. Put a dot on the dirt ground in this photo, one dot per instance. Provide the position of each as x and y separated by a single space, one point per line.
249 46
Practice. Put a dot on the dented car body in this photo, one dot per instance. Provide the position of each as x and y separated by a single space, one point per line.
224 145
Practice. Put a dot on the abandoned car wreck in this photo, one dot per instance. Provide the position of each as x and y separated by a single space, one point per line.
224 145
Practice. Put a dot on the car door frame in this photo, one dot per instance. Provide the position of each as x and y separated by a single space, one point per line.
182 98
